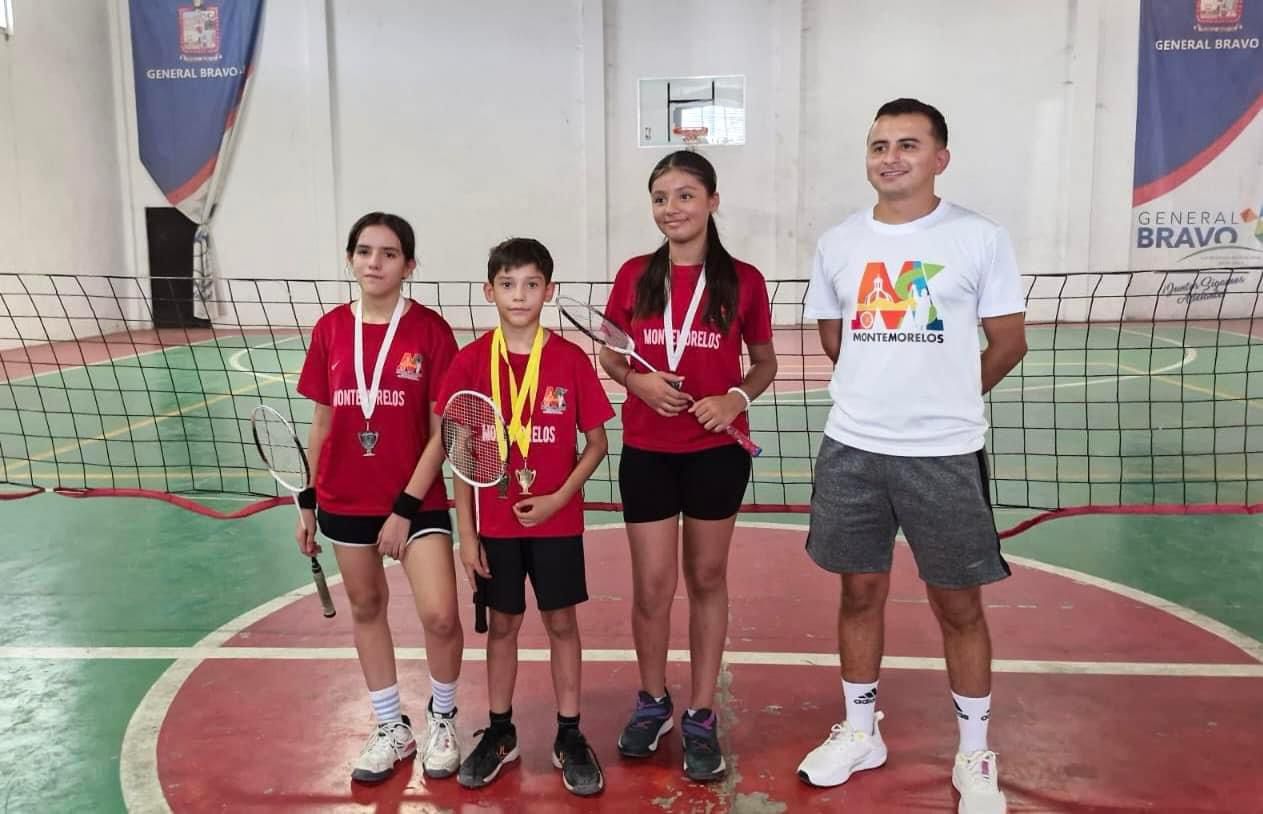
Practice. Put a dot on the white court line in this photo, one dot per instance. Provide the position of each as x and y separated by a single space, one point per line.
541 655
138 758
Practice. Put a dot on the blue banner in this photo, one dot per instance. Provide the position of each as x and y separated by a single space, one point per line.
1197 183
191 59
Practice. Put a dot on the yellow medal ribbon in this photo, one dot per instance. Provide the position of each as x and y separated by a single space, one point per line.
519 398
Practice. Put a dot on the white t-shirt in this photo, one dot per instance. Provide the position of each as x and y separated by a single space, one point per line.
909 376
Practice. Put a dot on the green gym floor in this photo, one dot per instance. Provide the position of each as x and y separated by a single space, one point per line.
158 659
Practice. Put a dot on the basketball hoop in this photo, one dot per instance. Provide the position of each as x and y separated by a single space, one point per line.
690 135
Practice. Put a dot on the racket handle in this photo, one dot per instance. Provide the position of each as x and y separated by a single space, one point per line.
322 588
480 602
480 612
746 442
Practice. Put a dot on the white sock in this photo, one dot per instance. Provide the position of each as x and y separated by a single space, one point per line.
972 716
442 697
386 704
861 705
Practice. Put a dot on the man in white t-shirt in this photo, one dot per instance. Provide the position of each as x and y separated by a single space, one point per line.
903 446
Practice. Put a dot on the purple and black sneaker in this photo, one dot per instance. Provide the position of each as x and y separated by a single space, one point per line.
651 720
702 759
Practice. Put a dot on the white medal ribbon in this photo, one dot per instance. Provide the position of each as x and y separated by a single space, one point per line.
675 350
368 397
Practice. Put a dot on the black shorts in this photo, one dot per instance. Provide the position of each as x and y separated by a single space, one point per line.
706 485
554 564
355 529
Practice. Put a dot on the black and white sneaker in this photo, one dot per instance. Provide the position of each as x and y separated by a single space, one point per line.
497 747
580 770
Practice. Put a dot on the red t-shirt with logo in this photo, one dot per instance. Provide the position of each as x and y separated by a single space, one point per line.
347 481
711 363
569 400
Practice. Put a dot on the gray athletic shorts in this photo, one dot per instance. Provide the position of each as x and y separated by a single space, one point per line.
943 505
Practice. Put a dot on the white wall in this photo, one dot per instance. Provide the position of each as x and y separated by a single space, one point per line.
59 171
466 118
998 75
1115 135
656 38
477 121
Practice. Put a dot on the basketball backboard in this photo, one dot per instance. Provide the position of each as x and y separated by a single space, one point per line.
691 110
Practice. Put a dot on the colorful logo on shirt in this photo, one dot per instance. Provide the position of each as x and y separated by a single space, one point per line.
553 402
902 311
409 366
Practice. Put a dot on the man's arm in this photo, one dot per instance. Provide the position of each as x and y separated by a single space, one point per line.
1006 345
830 337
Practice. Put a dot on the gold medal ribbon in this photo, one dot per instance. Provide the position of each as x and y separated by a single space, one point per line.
519 431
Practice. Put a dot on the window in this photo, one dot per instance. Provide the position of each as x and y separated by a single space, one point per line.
6 18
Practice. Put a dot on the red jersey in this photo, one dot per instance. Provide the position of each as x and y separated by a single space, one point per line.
568 401
711 363
348 482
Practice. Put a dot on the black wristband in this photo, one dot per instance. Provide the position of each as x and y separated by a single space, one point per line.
406 505
307 498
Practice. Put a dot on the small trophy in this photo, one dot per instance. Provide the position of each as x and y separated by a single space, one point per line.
368 440
525 479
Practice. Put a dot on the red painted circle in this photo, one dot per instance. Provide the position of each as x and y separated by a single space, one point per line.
258 735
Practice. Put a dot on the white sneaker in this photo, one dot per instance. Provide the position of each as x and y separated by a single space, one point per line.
389 744
843 753
442 749
977 778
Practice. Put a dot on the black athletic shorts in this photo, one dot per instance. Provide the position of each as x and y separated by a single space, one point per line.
362 530
554 565
706 485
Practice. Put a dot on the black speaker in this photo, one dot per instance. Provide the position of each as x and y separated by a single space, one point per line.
170 236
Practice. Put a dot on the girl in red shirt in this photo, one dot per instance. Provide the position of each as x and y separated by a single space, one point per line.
372 370
689 306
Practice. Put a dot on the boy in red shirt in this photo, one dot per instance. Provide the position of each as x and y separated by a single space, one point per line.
547 392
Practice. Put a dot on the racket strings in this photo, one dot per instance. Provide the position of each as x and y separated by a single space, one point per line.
279 449
470 427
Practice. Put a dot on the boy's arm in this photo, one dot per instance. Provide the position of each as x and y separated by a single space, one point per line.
532 511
